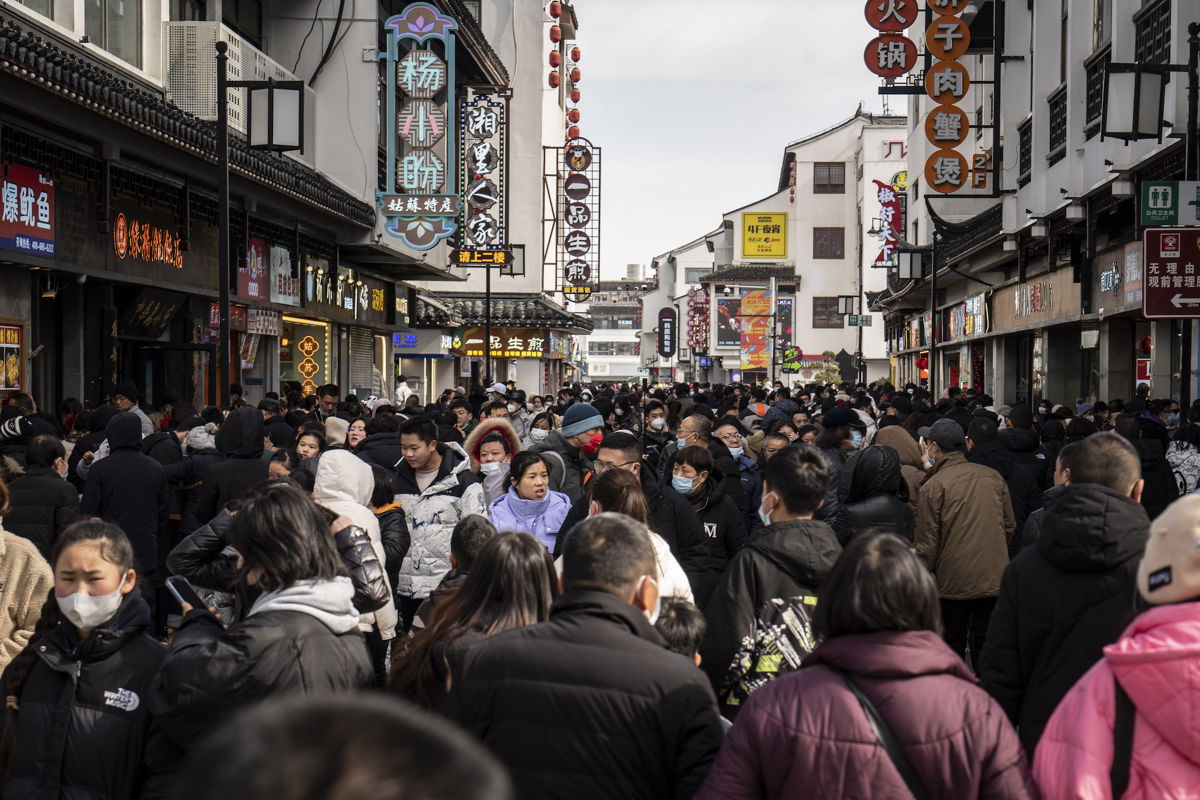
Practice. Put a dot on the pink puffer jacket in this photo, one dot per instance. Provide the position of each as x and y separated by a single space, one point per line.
1157 661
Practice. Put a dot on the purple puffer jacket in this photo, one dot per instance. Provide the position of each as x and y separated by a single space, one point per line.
805 735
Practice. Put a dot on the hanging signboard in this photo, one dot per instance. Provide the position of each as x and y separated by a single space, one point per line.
756 329
1171 285
145 241
579 219
27 211
285 288
891 54
11 358
668 330
252 279
483 156
891 217
420 195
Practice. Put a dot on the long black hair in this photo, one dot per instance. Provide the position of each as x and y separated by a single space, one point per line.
281 533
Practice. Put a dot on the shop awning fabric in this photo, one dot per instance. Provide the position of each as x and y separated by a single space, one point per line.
516 310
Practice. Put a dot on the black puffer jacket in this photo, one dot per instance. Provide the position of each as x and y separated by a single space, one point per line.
872 495
84 730
1033 525
89 443
382 449
240 440
724 528
1026 450
1023 490
393 532
1061 601
282 435
40 505
1161 489
190 475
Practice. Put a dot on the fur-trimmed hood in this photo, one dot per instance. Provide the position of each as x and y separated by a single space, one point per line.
483 430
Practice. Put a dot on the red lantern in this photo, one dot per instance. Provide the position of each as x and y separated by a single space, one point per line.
573 115
575 73
556 9
574 95
573 132
553 79
575 54
555 34
555 58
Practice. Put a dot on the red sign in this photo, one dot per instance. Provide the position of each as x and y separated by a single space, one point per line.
255 276
891 217
237 317
890 56
27 211
891 15
1170 277
142 241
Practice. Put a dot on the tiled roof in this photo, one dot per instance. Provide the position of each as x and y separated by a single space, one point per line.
511 310
750 272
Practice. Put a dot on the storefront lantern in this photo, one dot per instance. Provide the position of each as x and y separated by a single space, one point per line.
556 9
555 58
553 79
555 34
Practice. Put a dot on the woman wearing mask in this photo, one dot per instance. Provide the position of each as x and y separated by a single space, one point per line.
78 721
300 635
529 506
539 429
1129 727
695 477
511 584
491 446
807 734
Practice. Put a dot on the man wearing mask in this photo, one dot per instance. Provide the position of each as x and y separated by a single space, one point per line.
569 450
698 430
656 433
730 432
590 704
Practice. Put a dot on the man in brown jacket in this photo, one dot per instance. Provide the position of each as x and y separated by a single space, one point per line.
964 521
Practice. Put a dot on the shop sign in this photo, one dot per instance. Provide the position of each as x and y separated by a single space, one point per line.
504 343
27 211
254 274
150 314
1116 283
483 156
668 328
371 297
579 214
404 341
756 329
325 287
248 350
1170 203
697 333
1046 299
1133 274
285 289
11 360
891 214
729 327
238 317
418 199
967 318
141 237
1034 297
764 236
891 54
1172 286
262 321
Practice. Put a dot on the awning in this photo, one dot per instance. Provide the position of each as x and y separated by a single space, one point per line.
391 263
507 309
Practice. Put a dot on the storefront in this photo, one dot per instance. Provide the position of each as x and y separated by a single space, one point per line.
962 345
1041 351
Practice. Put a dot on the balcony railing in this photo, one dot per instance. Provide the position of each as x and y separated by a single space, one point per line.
1094 95
1152 33
1057 107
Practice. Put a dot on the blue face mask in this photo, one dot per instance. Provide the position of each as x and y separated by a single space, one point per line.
856 438
736 451
681 484
1173 418
681 442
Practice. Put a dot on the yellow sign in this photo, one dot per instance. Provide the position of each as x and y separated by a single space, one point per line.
764 236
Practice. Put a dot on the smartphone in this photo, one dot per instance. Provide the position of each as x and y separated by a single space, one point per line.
184 592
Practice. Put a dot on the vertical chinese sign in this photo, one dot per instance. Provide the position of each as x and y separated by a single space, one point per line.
579 222
698 312
483 154
947 38
420 200
891 217
27 211
890 54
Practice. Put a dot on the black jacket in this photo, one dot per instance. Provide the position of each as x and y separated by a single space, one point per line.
382 449
129 489
393 531
671 517
371 589
724 529
1026 450
1161 489
281 434
240 440
210 564
1033 525
725 463
1061 601
789 559
40 505
190 474
85 730
1023 490
589 705
163 447
872 495
211 672
89 443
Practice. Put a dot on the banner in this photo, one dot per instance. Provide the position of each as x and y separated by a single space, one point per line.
729 327
756 329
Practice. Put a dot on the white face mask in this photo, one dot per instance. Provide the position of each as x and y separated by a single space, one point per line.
538 434
489 468
764 515
658 423
512 408
87 612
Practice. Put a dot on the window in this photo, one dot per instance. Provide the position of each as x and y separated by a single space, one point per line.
829 177
829 242
115 26
189 11
612 348
245 17
1062 43
1101 23
694 274
1152 33
825 313
1024 152
1057 102
43 7
1094 96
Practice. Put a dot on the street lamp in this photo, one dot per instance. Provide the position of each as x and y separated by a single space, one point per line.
275 122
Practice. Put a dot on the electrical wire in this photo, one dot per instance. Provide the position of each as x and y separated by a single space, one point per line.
333 42
304 41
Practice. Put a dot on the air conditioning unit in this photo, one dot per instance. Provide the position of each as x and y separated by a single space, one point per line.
191 58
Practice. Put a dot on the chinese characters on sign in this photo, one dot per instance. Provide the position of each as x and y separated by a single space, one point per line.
755 318
764 236
891 217
579 219
252 276
27 211
504 343
890 54
420 198
139 240
284 286
1171 285
483 147
668 327
698 308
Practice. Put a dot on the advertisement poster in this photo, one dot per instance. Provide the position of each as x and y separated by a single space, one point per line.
756 329
27 211
764 236
10 357
253 275
729 327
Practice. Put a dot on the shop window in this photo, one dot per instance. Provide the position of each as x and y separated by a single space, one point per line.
829 178
115 26
825 313
829 242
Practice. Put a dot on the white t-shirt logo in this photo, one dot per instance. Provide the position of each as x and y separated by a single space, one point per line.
123 699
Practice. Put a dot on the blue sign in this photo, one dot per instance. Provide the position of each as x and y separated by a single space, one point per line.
404 340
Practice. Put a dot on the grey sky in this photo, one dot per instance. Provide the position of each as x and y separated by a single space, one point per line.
693 102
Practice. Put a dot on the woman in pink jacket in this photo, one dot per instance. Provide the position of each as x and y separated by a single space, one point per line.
1084 752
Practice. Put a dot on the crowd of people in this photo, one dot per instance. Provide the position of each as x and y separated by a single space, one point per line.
612 591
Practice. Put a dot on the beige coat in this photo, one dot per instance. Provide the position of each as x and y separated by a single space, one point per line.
910 459
25 583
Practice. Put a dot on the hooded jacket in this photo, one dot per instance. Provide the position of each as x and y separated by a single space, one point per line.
872 495
240 441
1026 450
431 516
282 435
201 455
1061 601
381 449
724 529
790 559
780 412
85 728
89 443
1033 523
495 484
40 505
302 642
805 735
1155 662
541 518
911 467
1024 492
344 485
129 489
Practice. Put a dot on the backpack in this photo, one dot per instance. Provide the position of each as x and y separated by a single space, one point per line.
781 639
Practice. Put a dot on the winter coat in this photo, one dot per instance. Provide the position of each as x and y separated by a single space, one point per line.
303 640
163 447
589 705
240 441
911 468
1033 525
381 449
393 531
281 435
806 735
1023 490
731 474
486 428
85 730
210 564
89 443
449 585
964 521
751 479
790 559
1026 450
25 583
129 489
40 505
724 528
781 411
192 472
1155 662
872 495
431 516
1184 459
344 486
1061 601
542 518
569 467
1161 487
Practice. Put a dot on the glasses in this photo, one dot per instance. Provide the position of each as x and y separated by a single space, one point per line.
730 438
603 467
